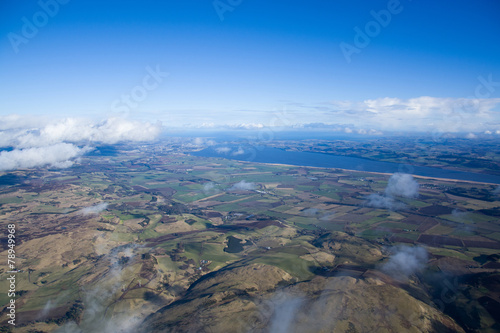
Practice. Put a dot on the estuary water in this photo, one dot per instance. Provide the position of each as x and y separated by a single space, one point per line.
263 154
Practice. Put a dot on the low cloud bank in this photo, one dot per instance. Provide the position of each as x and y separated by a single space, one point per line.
58 156
58 143
76 130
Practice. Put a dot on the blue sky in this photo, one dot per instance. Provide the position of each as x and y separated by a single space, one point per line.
260 59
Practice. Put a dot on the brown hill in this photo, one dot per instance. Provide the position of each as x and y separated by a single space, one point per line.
250 299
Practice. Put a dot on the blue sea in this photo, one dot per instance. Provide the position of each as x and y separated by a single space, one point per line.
262 154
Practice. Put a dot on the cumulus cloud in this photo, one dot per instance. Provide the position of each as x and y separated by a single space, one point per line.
203 142
405 261
222 150
243 186
209 188
384 202
94 210
402 184
57 155
40 142
240 151
399 185
75 130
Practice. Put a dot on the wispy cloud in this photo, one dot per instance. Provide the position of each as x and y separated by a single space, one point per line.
421 113
210 188
399 185
243 186
222 150
237 152
367 117
385 202
285 308
405 261
94 210
97 298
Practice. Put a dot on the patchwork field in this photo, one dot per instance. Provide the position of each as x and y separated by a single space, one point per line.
141 228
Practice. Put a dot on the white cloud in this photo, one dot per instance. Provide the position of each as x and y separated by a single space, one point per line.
402 184
243 186
58 155
75 130
240 151
210 188
424 113
421 113
247 125
222 150
94 210
405 261
98 297
383 202
15 121
40 142
198 141
460 215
